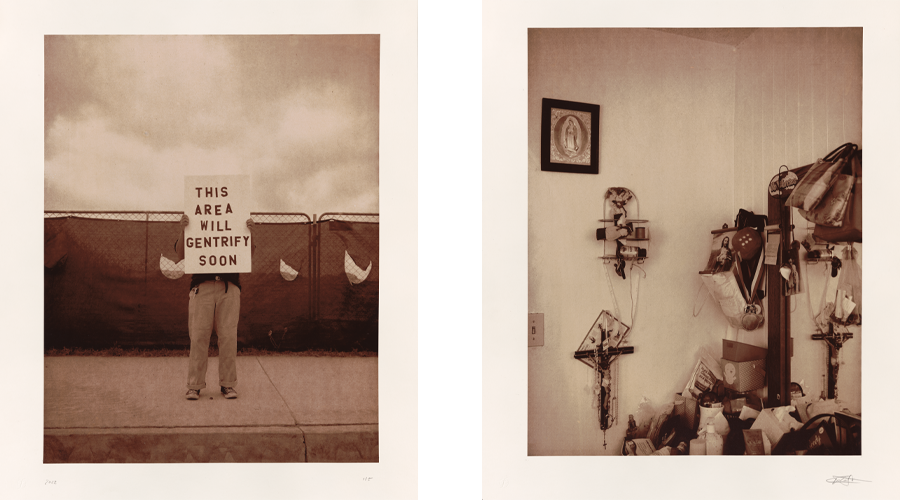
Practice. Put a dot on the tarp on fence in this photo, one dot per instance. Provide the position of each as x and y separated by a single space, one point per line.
346 290
104 286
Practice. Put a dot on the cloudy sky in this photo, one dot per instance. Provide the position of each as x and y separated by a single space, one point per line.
127 117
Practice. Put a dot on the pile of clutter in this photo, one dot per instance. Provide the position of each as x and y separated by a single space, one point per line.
719 413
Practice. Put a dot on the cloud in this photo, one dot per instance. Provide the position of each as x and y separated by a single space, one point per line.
341 188
165 90
127 117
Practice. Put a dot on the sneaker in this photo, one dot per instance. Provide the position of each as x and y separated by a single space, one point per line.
193 394
229 392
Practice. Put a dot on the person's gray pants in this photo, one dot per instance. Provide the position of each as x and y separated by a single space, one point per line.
211 307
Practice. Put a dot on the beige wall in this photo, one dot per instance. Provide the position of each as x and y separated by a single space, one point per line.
798 96
666 132
689 126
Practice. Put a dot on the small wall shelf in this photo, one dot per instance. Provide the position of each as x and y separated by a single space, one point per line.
609 247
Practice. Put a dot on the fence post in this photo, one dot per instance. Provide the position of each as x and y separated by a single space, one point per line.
314 268
146 255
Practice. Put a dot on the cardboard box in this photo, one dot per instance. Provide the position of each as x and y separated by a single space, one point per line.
738 351
743 376
743 366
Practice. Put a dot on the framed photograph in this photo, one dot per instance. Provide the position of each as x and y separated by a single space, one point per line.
570 136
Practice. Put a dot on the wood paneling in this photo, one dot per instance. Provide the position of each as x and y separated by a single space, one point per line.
798 95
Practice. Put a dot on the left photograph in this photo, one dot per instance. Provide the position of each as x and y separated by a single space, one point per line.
211 248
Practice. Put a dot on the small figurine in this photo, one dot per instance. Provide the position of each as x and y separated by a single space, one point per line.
632 428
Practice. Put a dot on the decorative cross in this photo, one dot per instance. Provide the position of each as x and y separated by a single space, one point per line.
601 346
835 341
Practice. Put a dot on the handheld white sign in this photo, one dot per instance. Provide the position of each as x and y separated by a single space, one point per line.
217 239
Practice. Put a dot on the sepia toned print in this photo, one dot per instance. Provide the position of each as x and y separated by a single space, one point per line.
211 248
692 121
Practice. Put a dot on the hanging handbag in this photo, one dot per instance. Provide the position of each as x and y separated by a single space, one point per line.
850 228
820 177
830 210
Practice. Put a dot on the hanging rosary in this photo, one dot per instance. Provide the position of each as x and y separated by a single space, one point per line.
603 344
598 390
604 400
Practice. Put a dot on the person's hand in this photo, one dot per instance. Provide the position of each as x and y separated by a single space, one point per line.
250 224
184 221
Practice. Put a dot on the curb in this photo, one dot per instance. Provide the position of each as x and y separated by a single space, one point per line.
338 443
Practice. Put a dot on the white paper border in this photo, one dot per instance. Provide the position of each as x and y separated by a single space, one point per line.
22 30
508 472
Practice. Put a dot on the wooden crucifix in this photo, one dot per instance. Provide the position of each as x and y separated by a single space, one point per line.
601 346
835 341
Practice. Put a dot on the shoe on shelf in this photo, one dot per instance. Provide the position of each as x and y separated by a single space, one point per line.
193 394
229 392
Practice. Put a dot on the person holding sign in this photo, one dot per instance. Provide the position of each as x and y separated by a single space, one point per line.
215 302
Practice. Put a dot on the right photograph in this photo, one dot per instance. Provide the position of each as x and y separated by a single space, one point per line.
695 241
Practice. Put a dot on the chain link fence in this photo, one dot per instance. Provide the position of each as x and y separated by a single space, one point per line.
114 278
123 216
347 251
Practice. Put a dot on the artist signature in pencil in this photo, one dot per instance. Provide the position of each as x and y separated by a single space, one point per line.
845 480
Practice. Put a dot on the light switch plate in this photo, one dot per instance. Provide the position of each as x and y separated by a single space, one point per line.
535 329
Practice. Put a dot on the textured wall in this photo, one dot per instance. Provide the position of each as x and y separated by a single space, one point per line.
666 132
799 96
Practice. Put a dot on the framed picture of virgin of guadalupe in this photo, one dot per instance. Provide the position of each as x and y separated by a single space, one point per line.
570 136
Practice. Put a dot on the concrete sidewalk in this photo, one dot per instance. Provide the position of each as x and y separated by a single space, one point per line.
132 409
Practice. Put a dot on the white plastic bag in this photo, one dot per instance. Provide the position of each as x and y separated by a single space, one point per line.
725 289
849 288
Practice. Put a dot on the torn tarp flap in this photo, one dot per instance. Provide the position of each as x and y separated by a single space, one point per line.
348 271
56 249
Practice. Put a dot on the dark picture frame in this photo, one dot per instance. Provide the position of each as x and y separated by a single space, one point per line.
570 136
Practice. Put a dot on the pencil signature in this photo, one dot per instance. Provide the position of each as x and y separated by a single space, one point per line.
845 480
